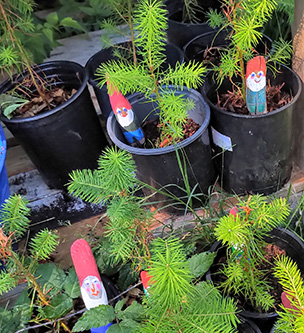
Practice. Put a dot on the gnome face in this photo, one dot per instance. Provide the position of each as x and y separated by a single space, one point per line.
125 116
92 285
256 81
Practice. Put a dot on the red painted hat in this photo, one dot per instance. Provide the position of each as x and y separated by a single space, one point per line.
117 99
256 64
83 260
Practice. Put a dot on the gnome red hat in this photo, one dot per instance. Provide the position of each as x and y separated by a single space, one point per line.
83 259
255 65
117 99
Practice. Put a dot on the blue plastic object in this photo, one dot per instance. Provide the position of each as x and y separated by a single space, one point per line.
4 187
101 329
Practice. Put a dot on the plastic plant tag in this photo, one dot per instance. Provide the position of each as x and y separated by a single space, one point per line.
286 301
236 248
91 287
126 117
221 140
256 85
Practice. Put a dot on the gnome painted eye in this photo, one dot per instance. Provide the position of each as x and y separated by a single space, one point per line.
124 109
260 73
252 75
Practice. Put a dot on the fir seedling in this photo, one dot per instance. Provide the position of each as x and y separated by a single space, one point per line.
244 19
243 235
174 303
146 76
291 319
14 216
115 184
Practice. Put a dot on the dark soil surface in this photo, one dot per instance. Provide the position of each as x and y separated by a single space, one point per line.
233 101
271 252
209 57
152 133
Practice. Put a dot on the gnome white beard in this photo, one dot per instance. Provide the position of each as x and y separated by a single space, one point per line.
255 86
127 120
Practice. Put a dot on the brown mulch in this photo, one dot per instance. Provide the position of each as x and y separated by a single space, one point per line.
233 101
151 131
53 98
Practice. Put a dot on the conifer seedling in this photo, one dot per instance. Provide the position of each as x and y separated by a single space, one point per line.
242 232
14 216
243 20
147 76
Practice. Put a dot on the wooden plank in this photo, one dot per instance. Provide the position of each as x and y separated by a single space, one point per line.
17 161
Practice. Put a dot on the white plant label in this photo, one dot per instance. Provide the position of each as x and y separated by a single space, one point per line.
221 140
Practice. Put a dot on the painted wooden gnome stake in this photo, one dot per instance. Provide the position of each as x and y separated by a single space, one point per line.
92 289
126 117
145 279
256 85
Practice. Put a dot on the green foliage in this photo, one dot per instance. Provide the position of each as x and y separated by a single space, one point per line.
115 175
200 263
245 19
115 183
14 214
145 74
174 303
169 267
10 103
215 19
243 235
104 314
59 305
71 284
7 282
43 244
290 277
51 289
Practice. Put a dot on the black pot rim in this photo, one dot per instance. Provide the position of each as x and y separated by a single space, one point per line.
215 32
158 151
184 23
88 64
45 114
269 114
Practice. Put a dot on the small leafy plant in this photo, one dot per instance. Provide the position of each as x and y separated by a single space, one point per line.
244 20
291 319
174 303
14 216
146 76
242 233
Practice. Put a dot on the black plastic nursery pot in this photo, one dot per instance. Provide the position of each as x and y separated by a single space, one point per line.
253 153
65 138
173 55
195 48
286 240
159 167
247 326
180 33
